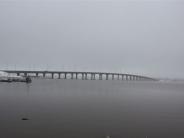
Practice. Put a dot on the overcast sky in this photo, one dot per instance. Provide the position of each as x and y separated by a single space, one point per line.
139 37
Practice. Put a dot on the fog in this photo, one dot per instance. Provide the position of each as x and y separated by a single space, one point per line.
138 37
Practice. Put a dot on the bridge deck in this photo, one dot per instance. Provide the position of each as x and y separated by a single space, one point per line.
80 75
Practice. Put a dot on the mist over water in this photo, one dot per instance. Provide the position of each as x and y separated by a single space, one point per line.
91 109
138 37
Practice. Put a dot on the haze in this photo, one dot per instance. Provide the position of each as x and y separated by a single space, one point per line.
138 37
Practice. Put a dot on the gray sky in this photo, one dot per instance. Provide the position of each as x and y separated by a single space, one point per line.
139 37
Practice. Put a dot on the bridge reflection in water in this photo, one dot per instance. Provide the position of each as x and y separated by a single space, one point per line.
81 75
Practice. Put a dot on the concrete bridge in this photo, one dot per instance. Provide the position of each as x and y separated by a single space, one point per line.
80 75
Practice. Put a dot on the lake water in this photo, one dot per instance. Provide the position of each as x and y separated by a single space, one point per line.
92 109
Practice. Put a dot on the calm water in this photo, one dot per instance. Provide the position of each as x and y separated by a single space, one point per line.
91 109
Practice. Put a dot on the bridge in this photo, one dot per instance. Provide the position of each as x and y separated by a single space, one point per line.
80 75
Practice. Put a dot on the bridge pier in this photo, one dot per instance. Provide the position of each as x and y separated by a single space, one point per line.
71 76
59 75
126 77
76 76
52 75
92 76
122 77
100 76
36 74
112 76
135 77
25 74
107 76
86 76
130 78
82 76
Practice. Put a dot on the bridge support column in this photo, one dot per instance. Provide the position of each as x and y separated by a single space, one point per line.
72 76
59 76
82 76
126 77
85 76
25 74
135 78
130 77
107 76
112 76
52 75
100 76
92 76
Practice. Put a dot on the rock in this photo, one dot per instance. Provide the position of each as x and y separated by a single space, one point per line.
25 118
